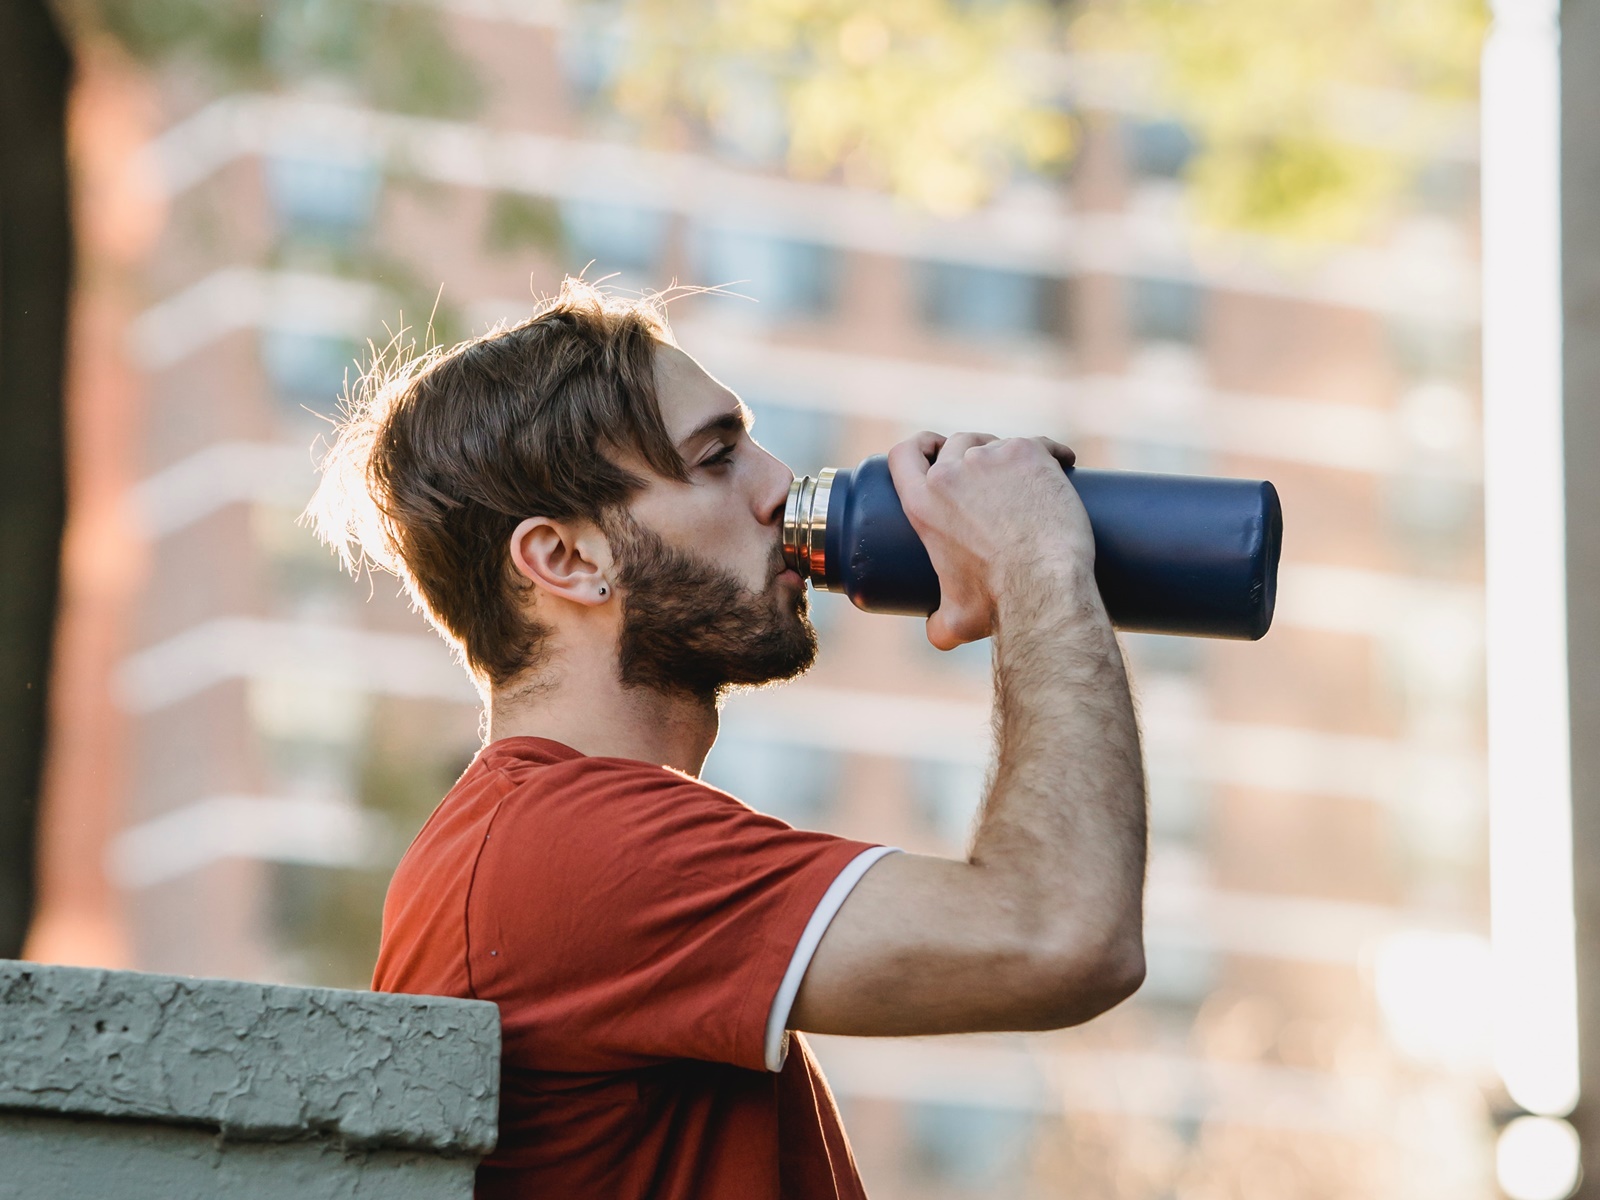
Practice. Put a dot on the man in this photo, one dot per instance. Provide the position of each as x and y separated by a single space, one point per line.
582 512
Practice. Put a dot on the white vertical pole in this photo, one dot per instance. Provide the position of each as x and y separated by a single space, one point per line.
1530 801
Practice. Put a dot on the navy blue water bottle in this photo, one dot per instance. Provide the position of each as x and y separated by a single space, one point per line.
1178 554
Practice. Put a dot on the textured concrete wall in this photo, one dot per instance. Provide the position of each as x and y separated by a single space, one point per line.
63 1158
118 1084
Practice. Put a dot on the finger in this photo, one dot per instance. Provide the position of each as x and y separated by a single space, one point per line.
958 444
1063 454
928 443
916 453
909 460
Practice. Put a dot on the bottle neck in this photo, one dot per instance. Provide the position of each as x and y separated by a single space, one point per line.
805 526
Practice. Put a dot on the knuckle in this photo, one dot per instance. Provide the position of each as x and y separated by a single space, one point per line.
1013 450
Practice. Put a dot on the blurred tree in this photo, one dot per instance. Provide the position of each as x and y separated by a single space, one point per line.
35 279
395 55
1274 88
921 96
942 100
392 54
517 222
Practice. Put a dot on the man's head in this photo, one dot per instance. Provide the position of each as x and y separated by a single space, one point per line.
571 481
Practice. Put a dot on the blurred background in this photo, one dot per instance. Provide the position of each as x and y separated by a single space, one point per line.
1229 237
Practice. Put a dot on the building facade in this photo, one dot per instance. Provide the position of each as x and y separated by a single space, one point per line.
1317 897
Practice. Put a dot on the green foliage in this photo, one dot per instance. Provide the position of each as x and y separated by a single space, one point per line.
920 96
520 223
395 55
1259 81
229 36
942 100
1306 188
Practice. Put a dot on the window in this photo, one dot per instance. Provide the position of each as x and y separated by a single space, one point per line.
970 660
615 237
594 46
1172 701
1179 803
1158 149
796 784
1166 310
1178 972
969 1146
988 302
1433 504
1423 348
306 370
786 279
947 797
750 125
322 196
802 437
1158 654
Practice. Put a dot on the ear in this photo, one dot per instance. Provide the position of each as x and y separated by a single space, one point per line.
571 560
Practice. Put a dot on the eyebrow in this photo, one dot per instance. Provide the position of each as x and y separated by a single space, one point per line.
737 421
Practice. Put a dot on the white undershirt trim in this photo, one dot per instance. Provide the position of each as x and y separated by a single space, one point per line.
777 1043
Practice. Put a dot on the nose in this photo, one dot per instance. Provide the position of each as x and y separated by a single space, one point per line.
774 489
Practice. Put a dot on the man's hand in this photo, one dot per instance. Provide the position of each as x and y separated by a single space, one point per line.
996 515
1042 924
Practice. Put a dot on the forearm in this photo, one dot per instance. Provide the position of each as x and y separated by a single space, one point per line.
1062 835
1041 926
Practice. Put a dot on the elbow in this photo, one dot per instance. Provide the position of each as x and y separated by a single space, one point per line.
1081 981
1122 971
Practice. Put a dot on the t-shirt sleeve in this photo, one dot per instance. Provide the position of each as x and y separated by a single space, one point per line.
776 1042
623 914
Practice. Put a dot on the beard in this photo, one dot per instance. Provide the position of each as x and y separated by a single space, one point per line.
691 628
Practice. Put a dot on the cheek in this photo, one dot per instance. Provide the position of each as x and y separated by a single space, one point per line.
714 518
705 520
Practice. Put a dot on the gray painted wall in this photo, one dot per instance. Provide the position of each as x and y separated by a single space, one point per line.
117 1085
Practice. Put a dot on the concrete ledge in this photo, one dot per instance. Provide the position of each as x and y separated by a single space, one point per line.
69 1158
252 1062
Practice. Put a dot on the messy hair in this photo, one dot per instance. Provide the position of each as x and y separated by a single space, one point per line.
438 456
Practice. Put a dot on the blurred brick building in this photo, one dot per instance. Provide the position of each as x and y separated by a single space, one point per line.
275 733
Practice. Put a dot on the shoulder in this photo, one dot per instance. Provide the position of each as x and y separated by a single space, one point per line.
569 824
621 799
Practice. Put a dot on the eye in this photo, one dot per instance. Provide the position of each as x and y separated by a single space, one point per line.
721 458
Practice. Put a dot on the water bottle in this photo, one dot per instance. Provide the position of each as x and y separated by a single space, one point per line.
1176 554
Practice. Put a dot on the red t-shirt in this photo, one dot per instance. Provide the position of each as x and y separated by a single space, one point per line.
634 925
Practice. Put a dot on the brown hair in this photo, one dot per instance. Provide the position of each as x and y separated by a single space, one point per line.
439 456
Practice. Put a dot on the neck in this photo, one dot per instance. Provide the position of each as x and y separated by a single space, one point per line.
590 710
